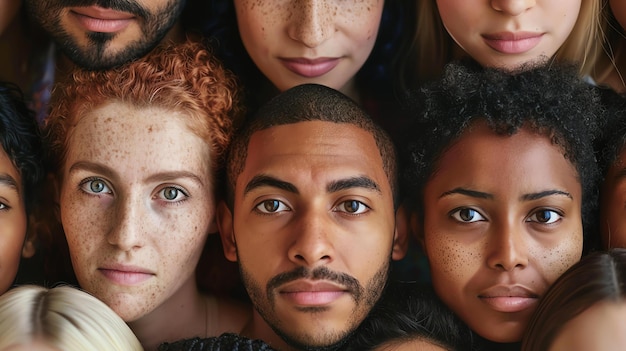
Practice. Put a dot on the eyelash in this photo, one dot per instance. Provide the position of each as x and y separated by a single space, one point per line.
85 181
4 207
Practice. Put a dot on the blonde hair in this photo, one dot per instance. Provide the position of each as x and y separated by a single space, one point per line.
66 318
432 46
613 43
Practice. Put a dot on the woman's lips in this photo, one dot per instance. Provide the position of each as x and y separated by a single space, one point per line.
101 20
310 68
509 299
126 275
512 43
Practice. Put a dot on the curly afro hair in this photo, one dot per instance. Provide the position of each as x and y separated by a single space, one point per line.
551 100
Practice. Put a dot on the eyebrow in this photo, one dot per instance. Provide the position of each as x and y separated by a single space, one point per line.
108 172
467 192
621 174
542 194
8 181
265 180
525 197
92 167
174 175
351 183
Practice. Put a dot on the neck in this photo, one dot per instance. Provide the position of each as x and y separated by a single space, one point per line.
182 316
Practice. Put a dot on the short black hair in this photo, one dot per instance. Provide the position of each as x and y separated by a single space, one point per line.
551 100
409 312
307 102
21 140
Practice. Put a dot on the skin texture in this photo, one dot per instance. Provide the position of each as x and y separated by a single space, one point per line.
136 197
97 38
342 32
410 345
8 10
500 227
36 345
600 327
318 215
619 11
612 219
12 221
472 23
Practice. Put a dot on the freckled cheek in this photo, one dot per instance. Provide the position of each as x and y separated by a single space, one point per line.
449 258
84 224
556 260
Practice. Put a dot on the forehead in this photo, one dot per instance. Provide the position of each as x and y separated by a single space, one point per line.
117 131
313 151
7 168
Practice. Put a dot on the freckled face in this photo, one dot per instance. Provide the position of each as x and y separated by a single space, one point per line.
12 221
600 327
618 7
500 227
613 204
507 34
96 37
309 41
313 227
8 10
136 205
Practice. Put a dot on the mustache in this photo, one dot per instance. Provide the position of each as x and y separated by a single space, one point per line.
320 273
128 6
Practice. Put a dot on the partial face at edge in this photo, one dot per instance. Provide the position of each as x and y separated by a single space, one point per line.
507 34
311 41
136 205
8 12
600 327
618 7
104 36
500 227
13 221
312 229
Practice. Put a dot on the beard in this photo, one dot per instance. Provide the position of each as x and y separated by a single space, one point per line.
364 298
97 54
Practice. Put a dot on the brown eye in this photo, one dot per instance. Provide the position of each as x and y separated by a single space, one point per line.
271 206
352 207
545 216
467 215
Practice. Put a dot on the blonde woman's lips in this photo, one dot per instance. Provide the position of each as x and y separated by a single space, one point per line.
310 68
101 20
512 42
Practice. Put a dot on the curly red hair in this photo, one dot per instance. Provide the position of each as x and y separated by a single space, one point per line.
183 77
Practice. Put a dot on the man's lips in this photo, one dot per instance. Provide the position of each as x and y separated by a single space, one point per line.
126 275
310 68
509 298
513 42
101 20
306 293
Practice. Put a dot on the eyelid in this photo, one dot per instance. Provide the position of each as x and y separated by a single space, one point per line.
84 182
456 211
282 207
162 188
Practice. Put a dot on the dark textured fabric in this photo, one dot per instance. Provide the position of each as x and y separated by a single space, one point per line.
224 342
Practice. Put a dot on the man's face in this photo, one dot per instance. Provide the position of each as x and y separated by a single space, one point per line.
312 228
100 34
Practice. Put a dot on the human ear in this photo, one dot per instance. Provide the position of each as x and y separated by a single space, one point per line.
401 235
225 226
29 249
